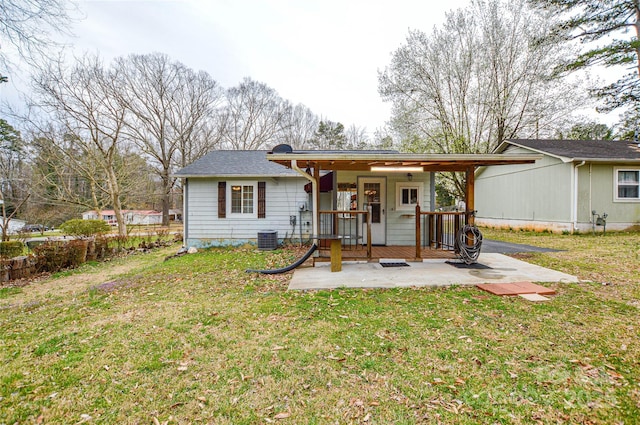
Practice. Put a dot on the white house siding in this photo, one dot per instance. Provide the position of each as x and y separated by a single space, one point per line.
525 196
400 225
203 228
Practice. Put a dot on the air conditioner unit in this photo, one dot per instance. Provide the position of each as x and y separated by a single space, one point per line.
268 239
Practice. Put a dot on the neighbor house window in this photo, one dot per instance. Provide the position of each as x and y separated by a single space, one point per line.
627 184
242 198
408 195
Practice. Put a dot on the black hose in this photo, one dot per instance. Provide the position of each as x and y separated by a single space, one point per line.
469 252
290 267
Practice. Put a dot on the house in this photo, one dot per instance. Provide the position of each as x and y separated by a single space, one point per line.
364 197
231 196
15 225
574 184
134 217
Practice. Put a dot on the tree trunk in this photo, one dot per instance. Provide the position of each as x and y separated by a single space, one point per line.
166 196
117 205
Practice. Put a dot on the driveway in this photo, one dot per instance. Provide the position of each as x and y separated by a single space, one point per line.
490 246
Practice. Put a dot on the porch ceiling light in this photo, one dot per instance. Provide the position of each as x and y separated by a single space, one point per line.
398 169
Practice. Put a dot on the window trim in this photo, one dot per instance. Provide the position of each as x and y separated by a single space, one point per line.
408 185
230 185
616 198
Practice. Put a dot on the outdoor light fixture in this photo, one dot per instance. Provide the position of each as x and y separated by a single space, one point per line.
398 169
409 176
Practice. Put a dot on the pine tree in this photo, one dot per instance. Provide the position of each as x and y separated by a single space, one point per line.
611 29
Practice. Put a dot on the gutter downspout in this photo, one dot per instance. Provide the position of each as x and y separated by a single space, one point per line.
185 226
574 208
314 192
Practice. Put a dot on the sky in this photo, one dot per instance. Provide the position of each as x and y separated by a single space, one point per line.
324 54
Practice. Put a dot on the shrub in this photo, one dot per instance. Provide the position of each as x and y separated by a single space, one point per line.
51 256
10 249
76 252
84 228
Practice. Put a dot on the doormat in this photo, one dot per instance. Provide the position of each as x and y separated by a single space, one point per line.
515 288
398 264
474 266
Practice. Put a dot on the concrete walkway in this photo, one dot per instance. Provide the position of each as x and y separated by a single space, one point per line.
501 269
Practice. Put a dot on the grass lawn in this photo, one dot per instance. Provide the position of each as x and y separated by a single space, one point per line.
195 339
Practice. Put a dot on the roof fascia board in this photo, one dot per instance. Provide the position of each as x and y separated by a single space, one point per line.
400 157
560 157
608 160
235 176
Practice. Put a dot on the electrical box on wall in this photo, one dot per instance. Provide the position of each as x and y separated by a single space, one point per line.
302 206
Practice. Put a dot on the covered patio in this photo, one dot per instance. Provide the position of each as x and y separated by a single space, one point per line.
433 231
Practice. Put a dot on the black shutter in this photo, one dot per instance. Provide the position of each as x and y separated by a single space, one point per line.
262 192
222 199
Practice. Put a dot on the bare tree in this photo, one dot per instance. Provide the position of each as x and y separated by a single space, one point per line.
81 100
481 78
197 120
302 124
167 105
254 117
356 137
66 172
29 27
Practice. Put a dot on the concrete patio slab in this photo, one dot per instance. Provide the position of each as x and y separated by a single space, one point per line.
503 269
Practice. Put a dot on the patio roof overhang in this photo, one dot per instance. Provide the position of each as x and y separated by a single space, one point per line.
397 161
389 161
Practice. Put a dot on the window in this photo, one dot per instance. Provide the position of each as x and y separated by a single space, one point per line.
408 195
346 198
627 185
241 199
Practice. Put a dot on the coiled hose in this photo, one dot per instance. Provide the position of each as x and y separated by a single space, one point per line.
469 242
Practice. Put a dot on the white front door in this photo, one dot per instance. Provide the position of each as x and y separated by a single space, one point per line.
372 193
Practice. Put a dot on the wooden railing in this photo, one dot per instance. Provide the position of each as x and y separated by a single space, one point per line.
438 229
352 227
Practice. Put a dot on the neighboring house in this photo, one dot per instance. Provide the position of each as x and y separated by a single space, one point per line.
175 215
561 191
134 217
15 225
232 196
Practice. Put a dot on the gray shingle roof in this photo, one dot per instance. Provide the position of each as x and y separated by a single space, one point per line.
234 163
582 150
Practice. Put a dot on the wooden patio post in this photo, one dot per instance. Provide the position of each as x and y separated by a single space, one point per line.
470 194
316 196
369 212
418 252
